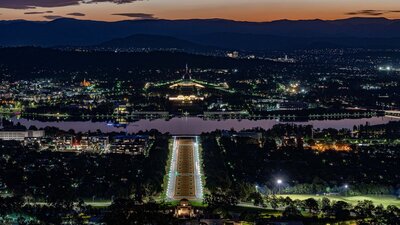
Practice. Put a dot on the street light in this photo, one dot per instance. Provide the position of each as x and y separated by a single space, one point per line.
279 183
346 188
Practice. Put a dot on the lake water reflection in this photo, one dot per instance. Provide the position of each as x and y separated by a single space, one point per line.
195 125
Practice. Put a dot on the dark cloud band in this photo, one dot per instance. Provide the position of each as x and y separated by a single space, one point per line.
31 4
371 12
139 16
76 14
38 13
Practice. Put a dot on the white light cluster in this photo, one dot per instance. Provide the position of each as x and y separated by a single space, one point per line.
172 172
199 185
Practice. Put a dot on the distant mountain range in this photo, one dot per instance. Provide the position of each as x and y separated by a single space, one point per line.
200 34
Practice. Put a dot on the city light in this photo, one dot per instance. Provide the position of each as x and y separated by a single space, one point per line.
172 172
277 118
198 176
388 68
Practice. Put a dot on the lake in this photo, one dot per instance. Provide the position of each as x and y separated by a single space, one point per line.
196 125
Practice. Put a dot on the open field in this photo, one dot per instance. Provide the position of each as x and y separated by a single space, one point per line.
385 200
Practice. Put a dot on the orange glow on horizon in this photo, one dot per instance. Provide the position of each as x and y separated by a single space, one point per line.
240 10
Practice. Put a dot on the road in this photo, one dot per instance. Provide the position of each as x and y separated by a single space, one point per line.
185 173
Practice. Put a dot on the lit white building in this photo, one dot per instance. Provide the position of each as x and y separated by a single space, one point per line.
20 135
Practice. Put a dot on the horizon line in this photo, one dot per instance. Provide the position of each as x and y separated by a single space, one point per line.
215 18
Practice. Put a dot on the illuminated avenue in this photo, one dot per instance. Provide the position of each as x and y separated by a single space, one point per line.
185 179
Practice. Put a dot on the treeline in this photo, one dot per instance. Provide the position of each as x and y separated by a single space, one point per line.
67 177
240 164
309 210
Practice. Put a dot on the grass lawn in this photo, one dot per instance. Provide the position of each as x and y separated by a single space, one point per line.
385 200
264 212
197 203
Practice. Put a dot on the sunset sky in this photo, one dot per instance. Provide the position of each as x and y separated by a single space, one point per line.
243 10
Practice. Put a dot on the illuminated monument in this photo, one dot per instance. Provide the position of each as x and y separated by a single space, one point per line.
187 94
187 88
186 81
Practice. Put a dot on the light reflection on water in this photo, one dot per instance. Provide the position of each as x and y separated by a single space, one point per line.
195 125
